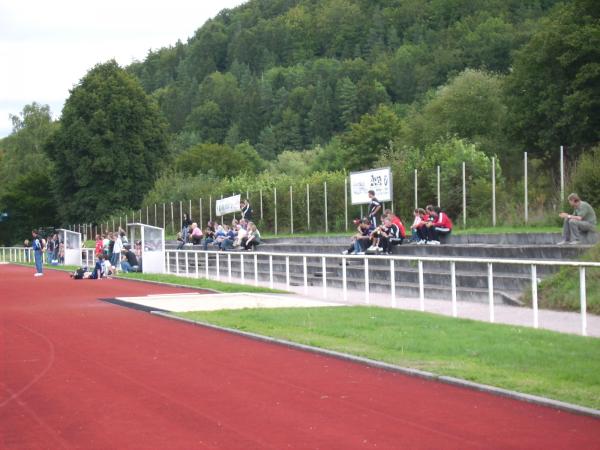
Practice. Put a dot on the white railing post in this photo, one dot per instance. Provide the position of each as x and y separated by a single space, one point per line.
393 283
305 275
177 262
491 290
583 301
453 288
367 293
534 295
168 255
271 282
218 264
324 276
242 272
229 267
421 287
187 267
344 280
206 270
287 272
255 269
196 264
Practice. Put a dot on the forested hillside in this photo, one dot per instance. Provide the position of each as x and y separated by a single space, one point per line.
281 94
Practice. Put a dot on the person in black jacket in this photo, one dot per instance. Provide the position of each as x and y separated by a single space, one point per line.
246 210
185 227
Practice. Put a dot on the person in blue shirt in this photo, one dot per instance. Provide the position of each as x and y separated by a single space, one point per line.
38 250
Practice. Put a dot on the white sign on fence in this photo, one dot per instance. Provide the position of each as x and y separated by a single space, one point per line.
378 180
228 205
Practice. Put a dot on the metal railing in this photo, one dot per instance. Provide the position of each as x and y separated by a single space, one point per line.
189 262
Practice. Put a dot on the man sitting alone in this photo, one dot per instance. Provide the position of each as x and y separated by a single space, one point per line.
583 220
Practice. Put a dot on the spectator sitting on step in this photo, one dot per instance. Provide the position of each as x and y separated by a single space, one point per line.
180 241
241 233
362 238
583 220
227 242
389 235
441 226
415 225
397 221
196 234
252 240
209 234
129 262
221 235
422 227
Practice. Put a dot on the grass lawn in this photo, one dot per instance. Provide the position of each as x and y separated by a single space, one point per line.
539 362
200 283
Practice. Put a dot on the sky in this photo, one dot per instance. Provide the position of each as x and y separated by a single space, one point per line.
46 47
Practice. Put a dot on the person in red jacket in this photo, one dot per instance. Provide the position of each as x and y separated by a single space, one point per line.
441 226
396 221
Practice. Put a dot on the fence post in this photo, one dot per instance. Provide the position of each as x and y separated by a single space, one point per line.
453 287
148 214
190 210
305 275
324 275
367 296
271 271
307 207
275 206
172 220
493 191
346 203
491 290
464 189
439 198
155 215
583 301
421 287
242 268
525 204
200 206
393 283
562 175
291 210
261 205
210 208
534 295
325 196
416 191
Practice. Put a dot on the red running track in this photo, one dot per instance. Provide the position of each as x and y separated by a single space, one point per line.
76 372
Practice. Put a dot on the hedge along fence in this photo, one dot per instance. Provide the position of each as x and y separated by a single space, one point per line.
473 192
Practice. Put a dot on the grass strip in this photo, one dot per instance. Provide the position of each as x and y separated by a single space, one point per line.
539 362
200 283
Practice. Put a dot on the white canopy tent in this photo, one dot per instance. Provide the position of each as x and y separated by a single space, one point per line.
148 243
71 240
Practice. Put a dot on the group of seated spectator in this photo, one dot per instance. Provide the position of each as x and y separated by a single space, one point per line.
430 225
241 234
114 252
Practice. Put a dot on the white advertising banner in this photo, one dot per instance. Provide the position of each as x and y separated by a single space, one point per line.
228 205
378 180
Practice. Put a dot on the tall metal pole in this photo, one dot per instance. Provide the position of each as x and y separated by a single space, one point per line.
200 208
562 175
275 200
439 198
164 222
464 189
261 205
190 210
525 204
291 210
416 191
172 219
210 208
180 213
346 203
493 191
325 196
307 207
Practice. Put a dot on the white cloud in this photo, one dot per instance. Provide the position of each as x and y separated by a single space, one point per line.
47 47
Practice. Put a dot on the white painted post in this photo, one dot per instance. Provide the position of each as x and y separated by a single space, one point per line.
367 294
562 175
242 267
275 205
229 267
210 208
534 295
168 255
491 290
416 190
177 262
324 277
187 267
196 264
464 189
493 191
164 216
155 216
325 197
346 203
200 206
147 216
206 271
172 219
453 287
525 204
287 273
190 211
307 207
583 301
393 283
305 275
439 197
421 287
344 280
218 264
261 205
271 271
291 210
255 269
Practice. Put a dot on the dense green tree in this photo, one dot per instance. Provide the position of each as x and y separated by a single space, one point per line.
110 145
209 121
219 160
554 90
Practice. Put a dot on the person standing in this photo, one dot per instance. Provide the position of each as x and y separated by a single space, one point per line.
583 220
246 210
38 249
374 208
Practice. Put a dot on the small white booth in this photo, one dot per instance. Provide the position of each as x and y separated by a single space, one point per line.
148 243
71 242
